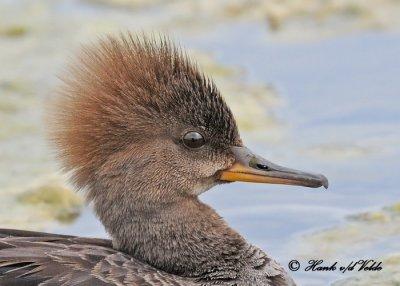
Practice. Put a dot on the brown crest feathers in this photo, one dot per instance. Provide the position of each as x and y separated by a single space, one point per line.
126 89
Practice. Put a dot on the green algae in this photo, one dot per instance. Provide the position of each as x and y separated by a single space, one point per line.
359 230
343 151
290 19
11 128
55 201
14 31
40 205
357 235
286 19
212 67
395 208
389 275
131 4
372 216
8 105
16 86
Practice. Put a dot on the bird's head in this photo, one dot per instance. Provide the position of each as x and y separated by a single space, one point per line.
136 115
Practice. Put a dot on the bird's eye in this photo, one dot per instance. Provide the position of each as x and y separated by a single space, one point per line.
193 140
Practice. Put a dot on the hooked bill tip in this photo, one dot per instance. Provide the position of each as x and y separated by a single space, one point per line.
324 181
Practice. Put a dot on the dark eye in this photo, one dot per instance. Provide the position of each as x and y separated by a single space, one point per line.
193 140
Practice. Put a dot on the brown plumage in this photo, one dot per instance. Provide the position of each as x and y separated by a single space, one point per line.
126 87
143 132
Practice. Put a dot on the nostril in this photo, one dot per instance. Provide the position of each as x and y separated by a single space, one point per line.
262 167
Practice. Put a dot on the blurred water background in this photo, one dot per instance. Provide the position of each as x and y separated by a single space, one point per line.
314 85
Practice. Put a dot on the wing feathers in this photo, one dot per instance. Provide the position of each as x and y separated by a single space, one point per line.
34 258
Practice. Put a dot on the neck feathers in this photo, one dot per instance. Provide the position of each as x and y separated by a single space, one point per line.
186 238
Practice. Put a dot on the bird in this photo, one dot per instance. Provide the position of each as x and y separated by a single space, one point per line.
141 131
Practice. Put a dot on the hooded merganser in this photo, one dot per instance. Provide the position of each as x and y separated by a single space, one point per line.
143 132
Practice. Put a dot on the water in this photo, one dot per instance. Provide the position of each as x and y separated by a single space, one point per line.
339 115
342 113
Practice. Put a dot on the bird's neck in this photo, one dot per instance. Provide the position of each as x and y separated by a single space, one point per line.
185 237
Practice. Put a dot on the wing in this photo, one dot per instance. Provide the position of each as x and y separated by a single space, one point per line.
34 258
